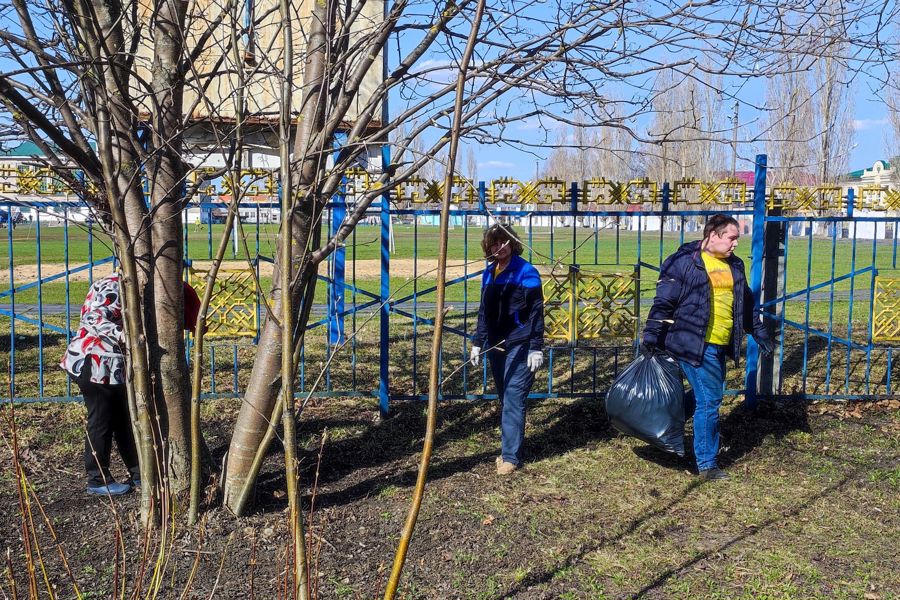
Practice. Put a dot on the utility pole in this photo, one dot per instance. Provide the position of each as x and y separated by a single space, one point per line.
734 133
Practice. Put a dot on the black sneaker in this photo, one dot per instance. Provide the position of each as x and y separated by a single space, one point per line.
714 474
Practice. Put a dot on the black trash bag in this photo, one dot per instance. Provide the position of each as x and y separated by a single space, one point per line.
646 401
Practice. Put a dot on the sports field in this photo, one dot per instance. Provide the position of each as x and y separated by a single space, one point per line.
413 260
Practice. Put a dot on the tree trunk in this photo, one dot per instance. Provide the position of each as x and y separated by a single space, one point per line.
305 225
115 129
265 378
166 178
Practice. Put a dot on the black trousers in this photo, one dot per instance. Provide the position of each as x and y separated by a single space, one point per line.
107 418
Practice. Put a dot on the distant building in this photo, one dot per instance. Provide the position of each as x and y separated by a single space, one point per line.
24 181
880 174
872 188
211 117
254 69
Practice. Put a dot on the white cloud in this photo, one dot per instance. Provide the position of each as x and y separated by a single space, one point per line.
496 164
864 124
431 64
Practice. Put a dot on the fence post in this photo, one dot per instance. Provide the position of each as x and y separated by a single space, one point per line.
573 202
756 268
775 234
385 310
336 287
573 305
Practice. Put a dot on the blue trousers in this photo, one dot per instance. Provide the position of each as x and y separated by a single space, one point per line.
513 379
704 400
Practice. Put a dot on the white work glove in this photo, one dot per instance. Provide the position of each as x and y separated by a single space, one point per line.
535 360
475 356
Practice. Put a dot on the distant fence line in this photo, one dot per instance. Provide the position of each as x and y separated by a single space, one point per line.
262 185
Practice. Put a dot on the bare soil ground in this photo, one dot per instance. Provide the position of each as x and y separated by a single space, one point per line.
812 509
365 269
402 268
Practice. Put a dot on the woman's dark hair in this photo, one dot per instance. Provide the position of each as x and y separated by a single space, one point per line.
499 232
719 223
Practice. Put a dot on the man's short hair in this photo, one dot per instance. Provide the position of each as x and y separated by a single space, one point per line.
719 223
499 232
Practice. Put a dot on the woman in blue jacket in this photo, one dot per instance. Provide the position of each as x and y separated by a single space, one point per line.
511 331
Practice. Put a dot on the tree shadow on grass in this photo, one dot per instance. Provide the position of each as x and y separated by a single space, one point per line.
366 460
545 576
31 341
540 577
794 354
742 430
372 457
374 446
666 575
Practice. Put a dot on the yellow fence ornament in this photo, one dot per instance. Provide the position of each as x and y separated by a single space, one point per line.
234 306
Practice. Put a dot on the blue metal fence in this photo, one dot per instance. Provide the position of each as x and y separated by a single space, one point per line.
815 262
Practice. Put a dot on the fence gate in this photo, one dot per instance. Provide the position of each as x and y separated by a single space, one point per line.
597 244
831 289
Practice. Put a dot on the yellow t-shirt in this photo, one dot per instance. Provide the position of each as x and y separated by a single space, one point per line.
721 284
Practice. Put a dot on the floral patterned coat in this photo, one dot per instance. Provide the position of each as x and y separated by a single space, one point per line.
100 336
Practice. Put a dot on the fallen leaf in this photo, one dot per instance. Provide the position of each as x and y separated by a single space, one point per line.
488 520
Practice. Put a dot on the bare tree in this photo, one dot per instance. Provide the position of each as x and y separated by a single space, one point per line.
688 138
471 164
789 127
558 164
833 108
582 152
613 158
74 96
892 135
808 132
114 89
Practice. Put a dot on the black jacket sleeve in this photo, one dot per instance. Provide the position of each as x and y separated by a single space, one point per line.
753 320
668 292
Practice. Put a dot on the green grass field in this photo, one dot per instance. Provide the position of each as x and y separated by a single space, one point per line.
579 246
806 265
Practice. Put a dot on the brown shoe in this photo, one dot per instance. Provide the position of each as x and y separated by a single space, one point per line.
505 468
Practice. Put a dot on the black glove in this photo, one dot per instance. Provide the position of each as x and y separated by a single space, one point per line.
649 349
766 346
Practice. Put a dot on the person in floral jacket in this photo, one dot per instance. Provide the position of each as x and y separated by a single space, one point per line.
95 360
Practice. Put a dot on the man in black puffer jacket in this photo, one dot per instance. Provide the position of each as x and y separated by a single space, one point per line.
702 308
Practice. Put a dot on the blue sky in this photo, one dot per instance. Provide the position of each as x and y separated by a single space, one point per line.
871 125
870 114
870 118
